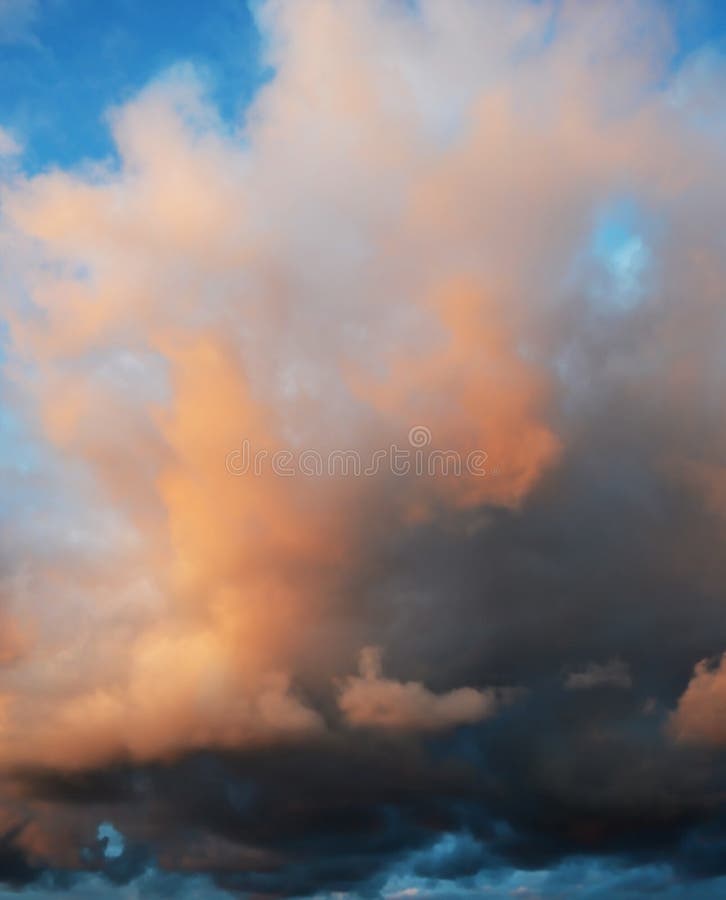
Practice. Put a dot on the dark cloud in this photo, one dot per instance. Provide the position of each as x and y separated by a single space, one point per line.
605 560
16 868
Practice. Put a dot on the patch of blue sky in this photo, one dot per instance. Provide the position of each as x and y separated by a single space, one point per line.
618 245
611 268
113 841
698 23
74 61
18 455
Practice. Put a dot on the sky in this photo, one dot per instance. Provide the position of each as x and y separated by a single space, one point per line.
362 449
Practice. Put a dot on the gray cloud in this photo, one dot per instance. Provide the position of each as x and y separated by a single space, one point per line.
614 673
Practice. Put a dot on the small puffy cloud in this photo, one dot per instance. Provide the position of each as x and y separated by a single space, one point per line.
370 700
700 717
614 673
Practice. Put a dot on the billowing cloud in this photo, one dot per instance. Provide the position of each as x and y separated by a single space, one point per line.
474 252
175 314
700 716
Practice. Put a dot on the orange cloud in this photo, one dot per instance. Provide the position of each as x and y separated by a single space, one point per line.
700 716
384 242
372 701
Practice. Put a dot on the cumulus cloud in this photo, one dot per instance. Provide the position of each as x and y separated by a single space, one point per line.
373 701
182 694
418 222
174 312
614 673
700 716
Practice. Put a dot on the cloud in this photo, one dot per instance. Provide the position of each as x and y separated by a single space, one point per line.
402 232
700 716
8 145
175 312
614 673
372 701
182 694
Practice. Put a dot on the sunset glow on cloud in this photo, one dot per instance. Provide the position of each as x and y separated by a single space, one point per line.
363 449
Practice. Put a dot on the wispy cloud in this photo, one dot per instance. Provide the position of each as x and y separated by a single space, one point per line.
17 19
614 673
9 146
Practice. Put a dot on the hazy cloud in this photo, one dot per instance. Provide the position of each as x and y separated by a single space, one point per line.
614 673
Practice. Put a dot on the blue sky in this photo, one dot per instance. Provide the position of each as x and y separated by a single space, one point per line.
64 62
